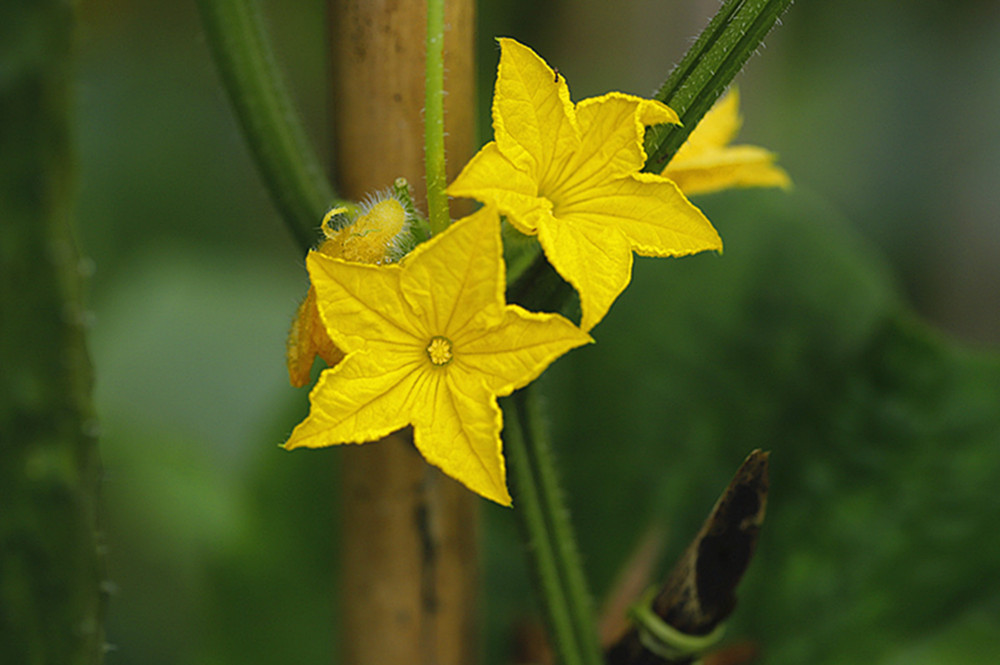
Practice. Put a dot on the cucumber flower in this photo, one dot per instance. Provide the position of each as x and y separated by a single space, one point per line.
429 342
570 174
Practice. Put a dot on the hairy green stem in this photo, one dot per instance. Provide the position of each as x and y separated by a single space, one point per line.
291 171
434 158
717 56
544 522
532 523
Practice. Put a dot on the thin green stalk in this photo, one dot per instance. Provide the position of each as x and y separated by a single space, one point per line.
545 524
434 159
291 171
534 531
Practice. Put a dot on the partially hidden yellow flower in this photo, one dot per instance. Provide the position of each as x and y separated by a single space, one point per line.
432 343
374 237
570 174
707 163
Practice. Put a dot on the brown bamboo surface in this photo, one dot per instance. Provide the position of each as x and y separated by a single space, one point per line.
409 533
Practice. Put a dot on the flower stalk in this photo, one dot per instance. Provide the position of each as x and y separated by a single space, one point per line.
434 157
544 522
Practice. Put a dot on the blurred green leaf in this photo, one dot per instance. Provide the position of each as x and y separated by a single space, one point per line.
884 435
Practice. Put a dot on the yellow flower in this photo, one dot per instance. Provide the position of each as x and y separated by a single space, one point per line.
431 343
378 235
707 163
570 175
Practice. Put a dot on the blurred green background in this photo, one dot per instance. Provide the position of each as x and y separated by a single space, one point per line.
806 338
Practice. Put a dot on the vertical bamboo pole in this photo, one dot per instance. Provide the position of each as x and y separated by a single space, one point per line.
410 535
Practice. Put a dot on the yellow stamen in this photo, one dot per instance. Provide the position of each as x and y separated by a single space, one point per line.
439 351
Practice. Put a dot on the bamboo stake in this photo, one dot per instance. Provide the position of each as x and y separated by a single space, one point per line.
409 533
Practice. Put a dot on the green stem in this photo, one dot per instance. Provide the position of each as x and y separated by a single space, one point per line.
718 55
545 525
52 578
434 159
291 171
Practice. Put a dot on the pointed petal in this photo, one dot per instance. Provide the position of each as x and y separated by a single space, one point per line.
457 276
361 400
459 432
306 340
717 128
533 118
736 166
491 178
513 354
360 302
612 128
650 211
594 257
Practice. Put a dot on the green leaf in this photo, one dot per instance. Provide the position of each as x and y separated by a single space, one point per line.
884 435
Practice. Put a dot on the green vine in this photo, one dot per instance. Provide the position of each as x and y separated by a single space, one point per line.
545 528
291 171
717 56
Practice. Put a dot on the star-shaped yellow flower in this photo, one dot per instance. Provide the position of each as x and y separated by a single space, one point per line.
430 342
707 163
570 174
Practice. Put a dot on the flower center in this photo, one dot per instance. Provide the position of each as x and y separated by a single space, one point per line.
439 351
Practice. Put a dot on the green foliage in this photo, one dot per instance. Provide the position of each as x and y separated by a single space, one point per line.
884 436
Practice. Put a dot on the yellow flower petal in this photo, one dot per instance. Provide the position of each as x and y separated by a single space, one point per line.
493 179
613 127
735 166
359 400
651 212
377 236
595 258
707 163
717 128
345 292
459 432
516 351
441 278
533 118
